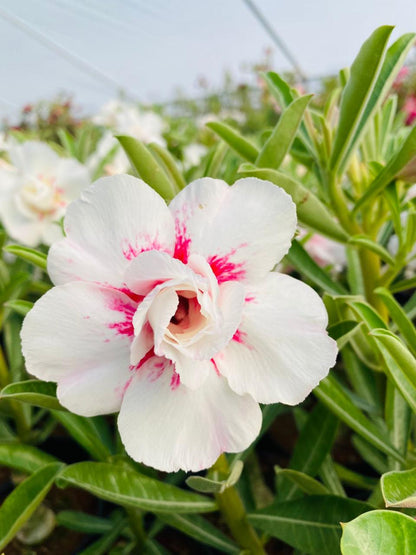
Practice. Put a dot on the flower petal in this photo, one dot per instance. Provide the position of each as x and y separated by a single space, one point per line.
79 334
110 224
243 230
281 350
165 425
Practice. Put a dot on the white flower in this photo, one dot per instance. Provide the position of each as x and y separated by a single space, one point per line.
172 316
192 155
35 190
125 118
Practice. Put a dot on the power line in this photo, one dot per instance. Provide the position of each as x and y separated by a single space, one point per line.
275 38
72 58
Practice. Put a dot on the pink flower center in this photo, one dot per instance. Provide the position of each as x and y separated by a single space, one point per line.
187 318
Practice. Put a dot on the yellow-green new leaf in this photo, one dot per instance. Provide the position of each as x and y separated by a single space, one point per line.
399 488
239 144
379 533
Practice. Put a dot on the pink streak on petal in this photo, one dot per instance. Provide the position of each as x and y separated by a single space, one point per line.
175 381
130 251
226 270
215 367
250 299
183 242
125 327
133 296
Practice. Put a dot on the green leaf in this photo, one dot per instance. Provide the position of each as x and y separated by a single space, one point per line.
373 246
394 165
400 363
313 445
34 392
102 545
400 317
25 458
310 524
169 164
310 210
303 481
331 393
206 485
20 306
22 502
86 431
201 530
298 256
239 144
128 488
399 488
394 59
283 135
279 88
343 331
30 255
147 167
379 533
83 522
355 97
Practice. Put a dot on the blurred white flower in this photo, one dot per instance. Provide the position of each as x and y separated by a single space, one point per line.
236 115
192 155
172 316
35 190
125 118
325 252
108 154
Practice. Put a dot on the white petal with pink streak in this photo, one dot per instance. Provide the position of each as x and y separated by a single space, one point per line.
281 350
165 425
110 224
243 231
79 335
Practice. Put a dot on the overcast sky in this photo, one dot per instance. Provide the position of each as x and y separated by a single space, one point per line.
151 47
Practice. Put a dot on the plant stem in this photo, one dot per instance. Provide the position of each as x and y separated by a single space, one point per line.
136 525
234 513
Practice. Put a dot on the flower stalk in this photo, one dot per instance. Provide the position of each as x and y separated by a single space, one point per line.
234 513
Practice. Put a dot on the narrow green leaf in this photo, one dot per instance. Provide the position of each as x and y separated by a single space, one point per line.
400 363
83 522
103 545
313 445
201 530
394 59
400 317
398 416
30 255
343 331
394 165
239 144
279 88
399 488
355 479
283 135
310 210
331 393
68 141
128 488
25 458
367 314
204 485
147 167
303 481
373 246
20 306
298 256
34 392
379 533
86 432
169 163
22 502
363 75
311 524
